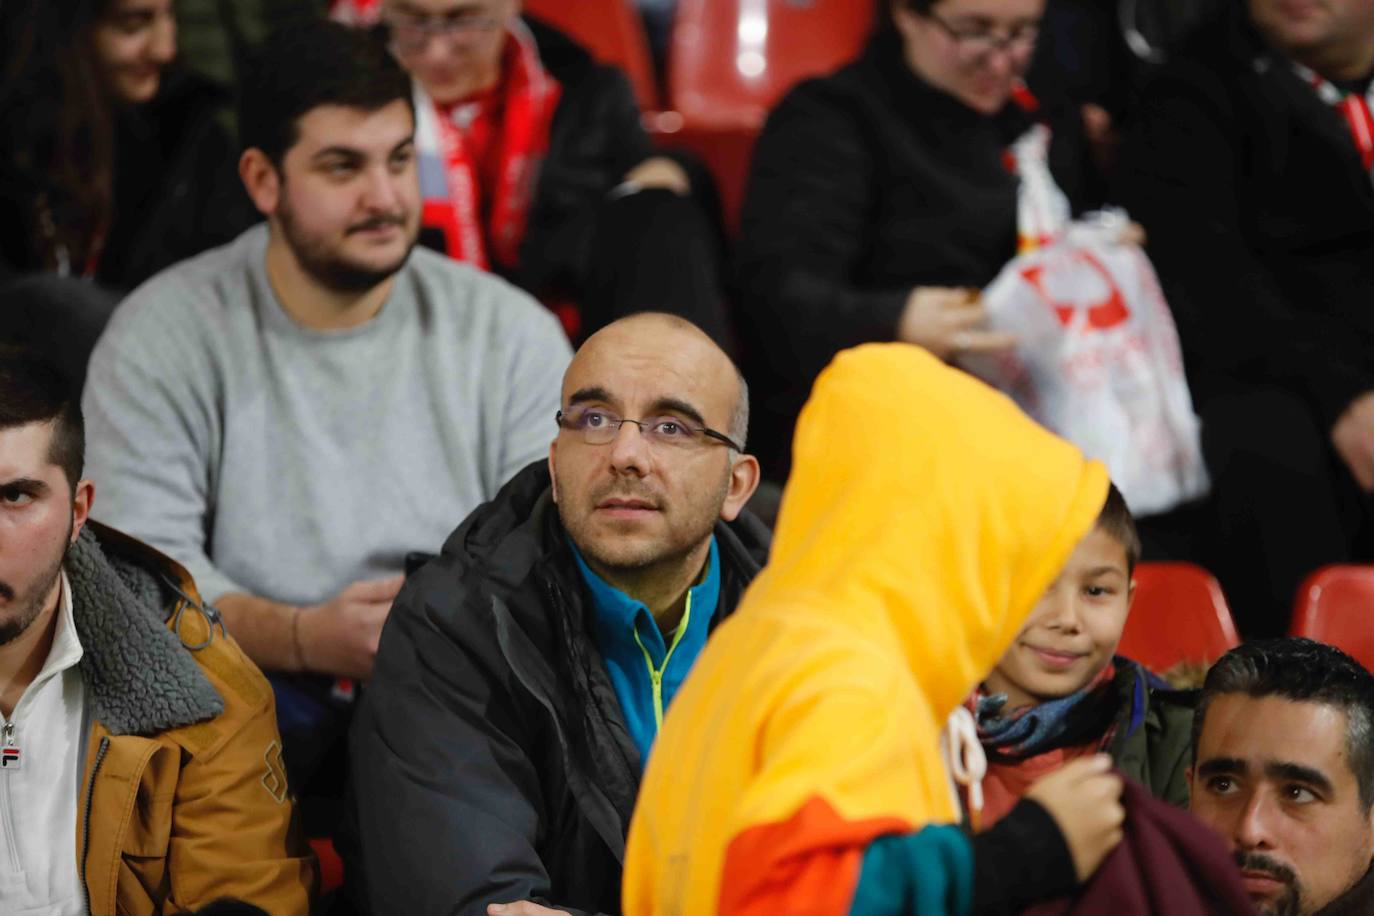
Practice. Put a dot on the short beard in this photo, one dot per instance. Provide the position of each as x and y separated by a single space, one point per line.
32 604
330 271
1290 903
644 559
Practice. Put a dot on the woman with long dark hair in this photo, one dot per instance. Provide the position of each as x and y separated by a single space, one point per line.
113 165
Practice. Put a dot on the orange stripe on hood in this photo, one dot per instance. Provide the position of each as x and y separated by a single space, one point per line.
812 862
924 517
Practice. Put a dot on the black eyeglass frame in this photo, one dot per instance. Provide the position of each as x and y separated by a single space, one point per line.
621 421
1027 35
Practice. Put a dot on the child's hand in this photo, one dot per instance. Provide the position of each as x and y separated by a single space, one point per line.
1084 798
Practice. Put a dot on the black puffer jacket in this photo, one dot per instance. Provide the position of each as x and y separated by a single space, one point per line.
491 760
866 184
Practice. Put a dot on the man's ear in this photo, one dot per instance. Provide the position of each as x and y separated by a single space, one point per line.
82 500
906 20
553 472
1371 833
261 180
744 480
1130 593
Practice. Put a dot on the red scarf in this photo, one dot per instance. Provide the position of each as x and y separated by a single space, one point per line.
516 122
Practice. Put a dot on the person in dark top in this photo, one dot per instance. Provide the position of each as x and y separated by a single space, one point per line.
1249 165
112 164
524 674
881 194
1061 692
534 164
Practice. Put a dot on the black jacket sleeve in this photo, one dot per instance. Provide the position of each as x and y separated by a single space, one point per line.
1179 179
1020 861
596 137
447 803
804 232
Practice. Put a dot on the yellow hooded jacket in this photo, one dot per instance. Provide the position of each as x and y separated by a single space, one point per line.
924 518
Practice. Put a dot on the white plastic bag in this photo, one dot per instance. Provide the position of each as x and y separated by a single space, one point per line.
1098 362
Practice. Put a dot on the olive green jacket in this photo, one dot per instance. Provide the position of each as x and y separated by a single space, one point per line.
1153 740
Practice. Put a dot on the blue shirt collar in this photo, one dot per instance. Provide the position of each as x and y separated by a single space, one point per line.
617 616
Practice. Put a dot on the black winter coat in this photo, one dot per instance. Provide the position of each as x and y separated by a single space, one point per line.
595 138
1260 222
491 759
866 184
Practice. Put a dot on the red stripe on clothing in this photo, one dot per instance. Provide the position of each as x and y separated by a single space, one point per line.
516 133
1356 112
808 863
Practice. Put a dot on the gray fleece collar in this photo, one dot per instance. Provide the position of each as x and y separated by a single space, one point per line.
140 680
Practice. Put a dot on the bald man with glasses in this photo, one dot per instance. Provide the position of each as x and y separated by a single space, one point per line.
524 674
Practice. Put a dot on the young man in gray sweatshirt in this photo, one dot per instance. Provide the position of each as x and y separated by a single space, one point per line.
292 414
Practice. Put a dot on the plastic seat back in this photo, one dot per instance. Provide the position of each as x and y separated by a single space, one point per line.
1179 615
731 60
331 866
1336 606
612 31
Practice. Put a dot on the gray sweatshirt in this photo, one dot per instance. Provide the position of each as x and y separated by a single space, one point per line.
288 463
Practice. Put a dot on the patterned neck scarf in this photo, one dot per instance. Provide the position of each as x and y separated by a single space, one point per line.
1030 730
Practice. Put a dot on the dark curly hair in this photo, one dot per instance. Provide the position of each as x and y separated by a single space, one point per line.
306 65
33 390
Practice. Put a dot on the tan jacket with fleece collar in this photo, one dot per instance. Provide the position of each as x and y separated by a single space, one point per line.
183 797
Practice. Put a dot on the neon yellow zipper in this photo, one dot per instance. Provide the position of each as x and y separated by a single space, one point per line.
656 674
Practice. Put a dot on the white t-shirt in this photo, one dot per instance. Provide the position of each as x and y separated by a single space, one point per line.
39 791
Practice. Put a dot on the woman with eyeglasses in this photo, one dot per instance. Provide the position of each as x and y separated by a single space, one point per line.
112 164
881 198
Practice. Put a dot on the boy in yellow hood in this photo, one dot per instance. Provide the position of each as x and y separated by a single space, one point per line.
799 770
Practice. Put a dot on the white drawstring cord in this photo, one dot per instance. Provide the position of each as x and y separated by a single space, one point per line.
964 757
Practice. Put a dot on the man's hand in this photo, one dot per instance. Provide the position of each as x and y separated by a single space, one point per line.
340 637
660 172
522 908
1353 437
948 322
1084 798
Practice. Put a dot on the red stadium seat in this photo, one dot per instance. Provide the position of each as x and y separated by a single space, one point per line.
1336 606
731 60
331 866
1180 614
612 31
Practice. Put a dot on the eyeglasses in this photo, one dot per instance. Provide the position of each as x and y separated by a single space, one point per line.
598 426
410 33
977 45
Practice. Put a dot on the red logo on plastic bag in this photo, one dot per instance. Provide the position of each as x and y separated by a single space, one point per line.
1103 315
